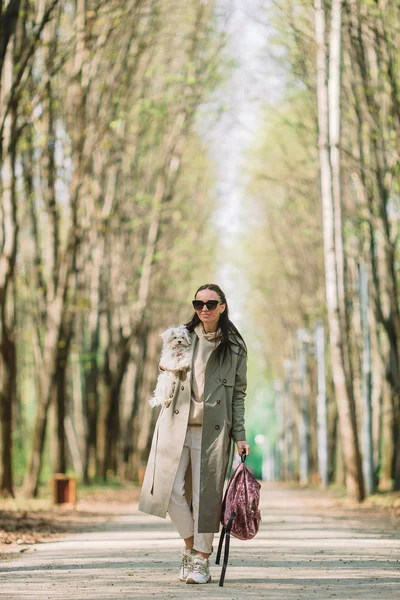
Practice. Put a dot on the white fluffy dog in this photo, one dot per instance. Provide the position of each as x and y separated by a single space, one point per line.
176 356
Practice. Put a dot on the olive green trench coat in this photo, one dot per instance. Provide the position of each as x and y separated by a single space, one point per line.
223 420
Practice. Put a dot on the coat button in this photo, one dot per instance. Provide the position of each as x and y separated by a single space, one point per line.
176 411
224 381
217 427
182 388
218 401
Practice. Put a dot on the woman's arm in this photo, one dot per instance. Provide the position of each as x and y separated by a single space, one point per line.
239 394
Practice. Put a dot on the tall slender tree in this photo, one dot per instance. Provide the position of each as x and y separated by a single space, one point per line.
328 94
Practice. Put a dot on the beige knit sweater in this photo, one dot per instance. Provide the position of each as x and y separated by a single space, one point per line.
206 343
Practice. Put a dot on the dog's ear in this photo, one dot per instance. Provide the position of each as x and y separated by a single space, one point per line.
167 335
164 335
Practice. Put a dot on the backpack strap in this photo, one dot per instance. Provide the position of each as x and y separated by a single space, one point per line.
226 532
221 541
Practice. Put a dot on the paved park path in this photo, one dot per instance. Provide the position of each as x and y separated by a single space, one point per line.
307 548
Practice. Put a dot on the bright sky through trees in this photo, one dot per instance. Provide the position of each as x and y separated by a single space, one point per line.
228 139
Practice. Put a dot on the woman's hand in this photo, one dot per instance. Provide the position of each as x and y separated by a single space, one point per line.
243 445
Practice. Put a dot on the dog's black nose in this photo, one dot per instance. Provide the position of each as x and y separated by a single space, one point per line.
179 342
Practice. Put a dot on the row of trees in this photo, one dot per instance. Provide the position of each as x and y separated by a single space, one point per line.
104 199
335 138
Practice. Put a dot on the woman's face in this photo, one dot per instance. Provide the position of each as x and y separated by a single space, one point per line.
209 317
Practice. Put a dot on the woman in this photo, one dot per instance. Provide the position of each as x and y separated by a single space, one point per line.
190 449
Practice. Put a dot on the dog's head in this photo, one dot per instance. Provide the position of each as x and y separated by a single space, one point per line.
176 337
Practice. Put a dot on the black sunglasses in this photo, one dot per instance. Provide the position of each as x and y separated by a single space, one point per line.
211 304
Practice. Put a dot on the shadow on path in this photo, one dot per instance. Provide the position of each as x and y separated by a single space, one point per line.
303 551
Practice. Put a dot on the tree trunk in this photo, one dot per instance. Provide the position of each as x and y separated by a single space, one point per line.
322 408
8 373
372 56
332 430
334 135
387 443
139 355
7 264
148 385
91 396
304 414
288 395
62 265
48 368
366 419
94 267
340 467
61 397
91 411
328 109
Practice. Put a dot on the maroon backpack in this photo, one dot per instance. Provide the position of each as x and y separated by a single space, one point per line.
240 515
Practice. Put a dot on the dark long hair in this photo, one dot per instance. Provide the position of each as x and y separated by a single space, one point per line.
230 334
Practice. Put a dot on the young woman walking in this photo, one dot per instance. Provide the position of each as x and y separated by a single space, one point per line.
189 455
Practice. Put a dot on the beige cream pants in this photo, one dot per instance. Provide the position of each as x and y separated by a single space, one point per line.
184 521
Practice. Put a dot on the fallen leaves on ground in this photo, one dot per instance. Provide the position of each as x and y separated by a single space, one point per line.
20 525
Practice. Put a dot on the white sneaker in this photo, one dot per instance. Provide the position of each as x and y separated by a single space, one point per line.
200 572
186 564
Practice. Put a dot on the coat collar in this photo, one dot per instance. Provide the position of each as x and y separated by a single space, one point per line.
194 338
